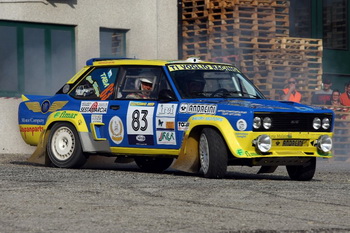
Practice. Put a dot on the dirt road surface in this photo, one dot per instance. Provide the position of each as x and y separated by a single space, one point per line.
106 197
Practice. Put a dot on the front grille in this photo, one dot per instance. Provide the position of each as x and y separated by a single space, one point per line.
293 122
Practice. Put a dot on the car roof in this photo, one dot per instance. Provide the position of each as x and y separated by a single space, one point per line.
132 61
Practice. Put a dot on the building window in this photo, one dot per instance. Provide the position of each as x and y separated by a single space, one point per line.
335 33
112 42
300 18
35 59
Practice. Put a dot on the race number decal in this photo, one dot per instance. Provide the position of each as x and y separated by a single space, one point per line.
140 125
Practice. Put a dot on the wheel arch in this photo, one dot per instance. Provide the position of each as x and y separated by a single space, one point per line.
188 159
76 119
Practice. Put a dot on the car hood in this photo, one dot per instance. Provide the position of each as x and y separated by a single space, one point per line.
263 105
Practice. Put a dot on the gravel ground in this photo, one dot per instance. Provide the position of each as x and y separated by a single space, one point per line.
107 197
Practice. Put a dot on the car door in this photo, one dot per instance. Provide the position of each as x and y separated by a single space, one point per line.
135 118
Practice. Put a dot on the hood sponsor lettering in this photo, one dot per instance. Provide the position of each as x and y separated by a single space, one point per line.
198 108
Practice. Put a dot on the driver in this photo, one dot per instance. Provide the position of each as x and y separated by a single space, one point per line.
145 84
195 86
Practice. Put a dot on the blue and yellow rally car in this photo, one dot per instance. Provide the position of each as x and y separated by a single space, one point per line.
191 115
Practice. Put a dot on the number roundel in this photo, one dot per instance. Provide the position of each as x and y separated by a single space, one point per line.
139 119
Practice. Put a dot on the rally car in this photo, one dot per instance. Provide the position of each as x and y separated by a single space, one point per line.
192 115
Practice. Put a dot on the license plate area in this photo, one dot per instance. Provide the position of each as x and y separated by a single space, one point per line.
290 142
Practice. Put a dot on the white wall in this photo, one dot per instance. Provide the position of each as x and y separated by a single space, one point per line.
152 34
11 141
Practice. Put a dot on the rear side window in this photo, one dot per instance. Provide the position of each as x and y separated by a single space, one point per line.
98 85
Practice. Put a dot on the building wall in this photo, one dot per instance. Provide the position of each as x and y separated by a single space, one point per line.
152 34
152 24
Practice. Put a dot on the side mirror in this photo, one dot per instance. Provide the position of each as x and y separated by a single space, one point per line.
166 95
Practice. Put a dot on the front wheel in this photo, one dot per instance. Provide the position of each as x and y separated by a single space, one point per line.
150 164
303 172
64 147
212 154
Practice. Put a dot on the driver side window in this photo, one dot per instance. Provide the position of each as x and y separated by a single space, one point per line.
142 82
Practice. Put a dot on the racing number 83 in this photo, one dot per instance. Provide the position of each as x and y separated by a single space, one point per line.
138 124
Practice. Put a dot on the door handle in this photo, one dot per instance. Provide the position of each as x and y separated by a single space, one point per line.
114 107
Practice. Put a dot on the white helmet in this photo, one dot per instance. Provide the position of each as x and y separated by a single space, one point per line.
145 77
147 80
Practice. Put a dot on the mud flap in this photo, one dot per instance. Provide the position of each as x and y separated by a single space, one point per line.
40 156
267 169
188 160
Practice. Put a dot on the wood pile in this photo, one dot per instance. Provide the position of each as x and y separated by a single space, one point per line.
254 34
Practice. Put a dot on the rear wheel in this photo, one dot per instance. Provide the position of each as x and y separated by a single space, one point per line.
212 154
64 147
303 172
151 164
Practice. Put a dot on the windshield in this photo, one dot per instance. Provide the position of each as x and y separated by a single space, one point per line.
212 81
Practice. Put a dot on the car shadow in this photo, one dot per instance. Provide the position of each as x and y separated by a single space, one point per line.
109 164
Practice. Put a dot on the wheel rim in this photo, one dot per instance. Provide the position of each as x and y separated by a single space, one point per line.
63 143
204 153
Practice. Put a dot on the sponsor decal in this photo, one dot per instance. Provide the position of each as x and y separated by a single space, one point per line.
30 129
105 78
96 118
94 85
165 123
289 135
134 103
198 108
183 125
166 138
45 106
141 138
240 152
106 93
177 67
65 114
93 107
241 135
32 121
36 107
241 125
232 113
168 110
201 118
304 109
116 130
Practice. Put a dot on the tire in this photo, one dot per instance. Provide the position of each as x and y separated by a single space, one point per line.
212 154
64 147
151 164
303 172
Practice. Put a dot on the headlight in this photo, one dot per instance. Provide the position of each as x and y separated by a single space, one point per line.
257 122
316 123
324 143
263 143
267 122
326 123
